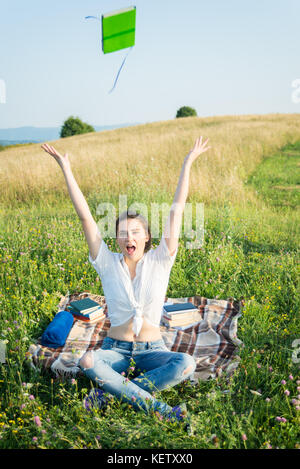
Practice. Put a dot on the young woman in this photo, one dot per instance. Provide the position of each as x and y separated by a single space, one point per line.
134 284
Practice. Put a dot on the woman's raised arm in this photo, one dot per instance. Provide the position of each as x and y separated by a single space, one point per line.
173 223
89 225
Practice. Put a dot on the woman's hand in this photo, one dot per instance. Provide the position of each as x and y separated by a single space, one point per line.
63 161
199 147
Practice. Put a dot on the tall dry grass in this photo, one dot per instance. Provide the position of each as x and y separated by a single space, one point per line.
149 157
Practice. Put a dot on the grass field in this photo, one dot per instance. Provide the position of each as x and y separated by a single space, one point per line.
249 183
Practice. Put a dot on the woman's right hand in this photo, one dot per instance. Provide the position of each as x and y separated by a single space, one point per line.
63 161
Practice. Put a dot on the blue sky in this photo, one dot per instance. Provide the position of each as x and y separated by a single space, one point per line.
220 57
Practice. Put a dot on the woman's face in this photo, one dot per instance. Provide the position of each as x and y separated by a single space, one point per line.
132 238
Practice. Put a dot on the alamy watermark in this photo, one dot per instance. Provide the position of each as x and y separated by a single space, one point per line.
296 352
2 92
296 92
2 351
107 223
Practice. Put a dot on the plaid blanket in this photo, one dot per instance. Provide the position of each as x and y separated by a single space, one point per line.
212 342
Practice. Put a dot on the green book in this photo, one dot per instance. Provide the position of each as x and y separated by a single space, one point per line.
118 29
85 305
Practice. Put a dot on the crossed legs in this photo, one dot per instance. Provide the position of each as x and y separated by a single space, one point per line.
160 369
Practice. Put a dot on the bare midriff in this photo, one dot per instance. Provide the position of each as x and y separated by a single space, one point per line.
148 333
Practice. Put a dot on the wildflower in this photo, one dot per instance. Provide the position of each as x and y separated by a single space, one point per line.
244 437
268 399
37 420
258 365
132 368
73 381
34 439
133 398
123 373
31 397
270 368
291 377
283 381
287 392
281 419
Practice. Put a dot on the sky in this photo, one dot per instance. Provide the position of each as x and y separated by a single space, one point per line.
221 57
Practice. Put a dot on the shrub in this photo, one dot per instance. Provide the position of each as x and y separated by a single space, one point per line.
75 126
186 111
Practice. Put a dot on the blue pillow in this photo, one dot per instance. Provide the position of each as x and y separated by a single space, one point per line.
58 330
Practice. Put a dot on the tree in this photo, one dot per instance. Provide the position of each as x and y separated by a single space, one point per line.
75 126
186 111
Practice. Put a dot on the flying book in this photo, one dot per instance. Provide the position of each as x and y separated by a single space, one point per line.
84 306
179 308
118 29
118 32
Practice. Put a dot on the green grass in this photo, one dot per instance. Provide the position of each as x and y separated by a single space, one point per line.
277 179
248 252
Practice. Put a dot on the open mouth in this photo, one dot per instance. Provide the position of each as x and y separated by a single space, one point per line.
130 249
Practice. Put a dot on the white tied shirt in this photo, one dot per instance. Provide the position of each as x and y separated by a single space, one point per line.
142 297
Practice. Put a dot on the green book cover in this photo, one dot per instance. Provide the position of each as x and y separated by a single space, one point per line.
84 304
118 29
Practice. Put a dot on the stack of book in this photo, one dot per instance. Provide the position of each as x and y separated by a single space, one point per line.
86 310
180 314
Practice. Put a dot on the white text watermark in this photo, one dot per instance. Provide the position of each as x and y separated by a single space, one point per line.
2 92
2 351
296 352
296 92
167 213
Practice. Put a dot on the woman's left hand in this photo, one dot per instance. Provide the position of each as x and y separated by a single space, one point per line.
199 147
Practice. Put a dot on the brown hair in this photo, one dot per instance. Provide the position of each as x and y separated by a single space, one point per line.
133 214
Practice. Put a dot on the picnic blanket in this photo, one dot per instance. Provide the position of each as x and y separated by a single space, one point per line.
213 341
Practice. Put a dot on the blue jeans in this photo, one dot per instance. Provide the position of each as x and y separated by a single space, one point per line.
160 369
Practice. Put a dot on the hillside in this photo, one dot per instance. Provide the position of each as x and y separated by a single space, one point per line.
146 159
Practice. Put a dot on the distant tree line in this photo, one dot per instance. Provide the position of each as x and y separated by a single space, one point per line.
75 126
